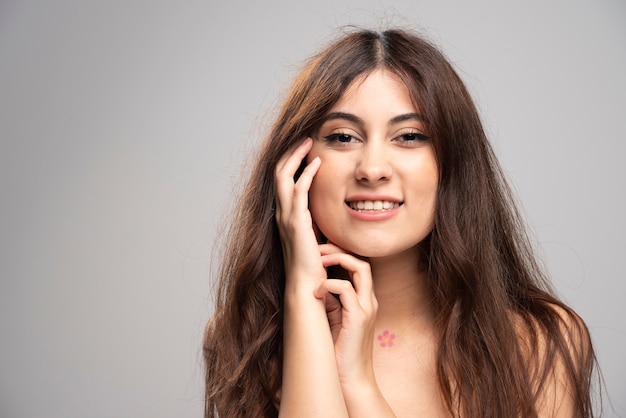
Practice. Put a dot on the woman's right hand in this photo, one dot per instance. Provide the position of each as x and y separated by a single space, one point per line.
303 261
352 320
308 350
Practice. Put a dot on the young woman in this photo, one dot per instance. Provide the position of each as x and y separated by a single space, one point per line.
376 265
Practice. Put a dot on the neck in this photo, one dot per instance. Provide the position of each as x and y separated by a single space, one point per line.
401 290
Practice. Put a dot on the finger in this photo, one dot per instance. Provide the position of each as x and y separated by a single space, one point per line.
329 248
343 289
360 271
290 161
333 306
301 190
286 170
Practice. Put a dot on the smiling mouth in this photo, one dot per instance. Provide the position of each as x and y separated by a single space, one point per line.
373 205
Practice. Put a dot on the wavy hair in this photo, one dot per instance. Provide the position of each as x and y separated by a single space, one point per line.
501 330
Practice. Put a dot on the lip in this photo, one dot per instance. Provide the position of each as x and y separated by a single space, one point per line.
358 197
372 215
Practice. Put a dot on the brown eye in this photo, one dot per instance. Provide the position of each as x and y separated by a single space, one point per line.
413 137
339 137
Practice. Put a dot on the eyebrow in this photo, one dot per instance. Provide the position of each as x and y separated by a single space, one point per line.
355 119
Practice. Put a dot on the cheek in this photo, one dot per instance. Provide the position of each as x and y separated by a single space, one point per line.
429 193
424 176
321 189
324 182
324 198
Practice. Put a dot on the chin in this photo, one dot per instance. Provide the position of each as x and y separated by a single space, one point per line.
382 249
369 251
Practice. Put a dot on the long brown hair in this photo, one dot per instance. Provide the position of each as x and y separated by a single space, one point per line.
501 329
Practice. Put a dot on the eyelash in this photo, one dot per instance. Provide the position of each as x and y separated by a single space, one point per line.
405 137
336 138
417 136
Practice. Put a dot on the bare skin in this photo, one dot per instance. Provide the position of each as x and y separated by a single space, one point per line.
369 186
381 160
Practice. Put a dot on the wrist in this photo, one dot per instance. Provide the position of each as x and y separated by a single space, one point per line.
300 297
365 399
299 284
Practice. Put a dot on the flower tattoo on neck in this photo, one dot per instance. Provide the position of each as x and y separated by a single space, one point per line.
386 339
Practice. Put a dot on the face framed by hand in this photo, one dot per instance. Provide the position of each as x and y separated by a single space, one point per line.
375 192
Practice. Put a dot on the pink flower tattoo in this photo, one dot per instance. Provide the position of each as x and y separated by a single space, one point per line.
386 339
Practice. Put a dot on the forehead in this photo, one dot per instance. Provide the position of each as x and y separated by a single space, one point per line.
378 92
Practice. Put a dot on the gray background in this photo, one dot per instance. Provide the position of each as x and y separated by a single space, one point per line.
124 126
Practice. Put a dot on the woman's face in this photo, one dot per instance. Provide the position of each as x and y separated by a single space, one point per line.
375 192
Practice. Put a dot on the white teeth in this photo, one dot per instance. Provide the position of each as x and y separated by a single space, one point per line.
373 205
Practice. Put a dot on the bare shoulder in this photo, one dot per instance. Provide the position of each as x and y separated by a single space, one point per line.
548 326
556 346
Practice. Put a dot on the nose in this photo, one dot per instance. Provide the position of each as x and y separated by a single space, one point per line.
374 165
